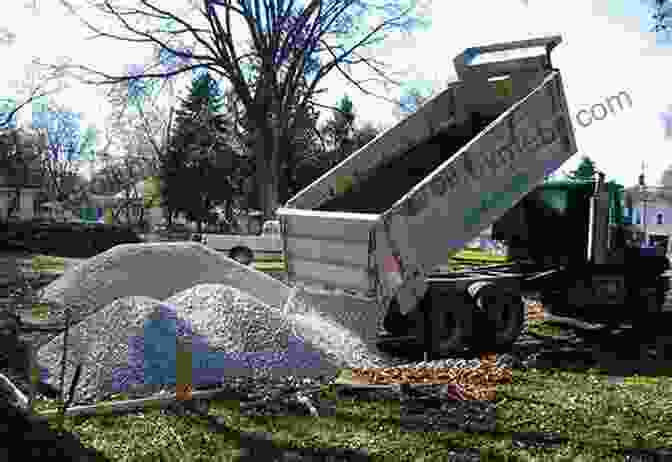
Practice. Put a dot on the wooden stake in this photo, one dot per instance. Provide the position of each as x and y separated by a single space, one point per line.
119 407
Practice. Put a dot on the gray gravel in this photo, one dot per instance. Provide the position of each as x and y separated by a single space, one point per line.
156 270
233 308
230 321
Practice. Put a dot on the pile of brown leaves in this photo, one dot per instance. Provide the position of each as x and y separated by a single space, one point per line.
477 383
535 311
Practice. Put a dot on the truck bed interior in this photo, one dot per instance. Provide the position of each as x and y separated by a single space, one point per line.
385 185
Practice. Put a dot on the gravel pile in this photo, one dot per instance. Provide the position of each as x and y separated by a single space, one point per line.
361 316
230 333
236 321
156 270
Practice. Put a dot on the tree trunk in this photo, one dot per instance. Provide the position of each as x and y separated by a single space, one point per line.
266 160
128 211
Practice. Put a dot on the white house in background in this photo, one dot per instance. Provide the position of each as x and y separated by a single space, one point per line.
19 195
21 204
153 215
651 214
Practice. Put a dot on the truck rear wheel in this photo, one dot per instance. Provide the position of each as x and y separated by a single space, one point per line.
503 315
448 319
508 319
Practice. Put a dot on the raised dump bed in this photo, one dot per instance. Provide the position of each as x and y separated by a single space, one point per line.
383 186
385 217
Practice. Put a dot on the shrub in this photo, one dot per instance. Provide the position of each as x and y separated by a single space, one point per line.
75 240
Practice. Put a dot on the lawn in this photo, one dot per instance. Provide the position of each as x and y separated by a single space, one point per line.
597 419
47 263
480 255
273 266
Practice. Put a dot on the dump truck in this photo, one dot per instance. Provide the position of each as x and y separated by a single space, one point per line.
383 223
590 271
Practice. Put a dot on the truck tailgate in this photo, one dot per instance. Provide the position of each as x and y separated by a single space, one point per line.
328 249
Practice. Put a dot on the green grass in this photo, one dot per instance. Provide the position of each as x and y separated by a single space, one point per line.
48 263
40 311
599 419
269 265
268 258
479 256
546 329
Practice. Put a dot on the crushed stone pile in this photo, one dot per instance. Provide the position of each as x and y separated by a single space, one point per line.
358 315
138 344
155 270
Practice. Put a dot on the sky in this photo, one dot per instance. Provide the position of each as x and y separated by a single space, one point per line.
607 49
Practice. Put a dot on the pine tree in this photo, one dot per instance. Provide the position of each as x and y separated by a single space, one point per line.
201 168
340 127
585 171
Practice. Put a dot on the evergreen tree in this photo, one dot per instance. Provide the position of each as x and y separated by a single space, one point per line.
340 127
201 168
585 171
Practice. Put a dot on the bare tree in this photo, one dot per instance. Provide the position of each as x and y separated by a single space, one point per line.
662 16
139 138
411 101
275 75
122 175
61 150
39 81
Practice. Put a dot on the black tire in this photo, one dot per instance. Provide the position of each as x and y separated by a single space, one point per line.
509 320
242 256
449 319
503 320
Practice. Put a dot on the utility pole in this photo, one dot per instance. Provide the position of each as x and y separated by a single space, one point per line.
644 198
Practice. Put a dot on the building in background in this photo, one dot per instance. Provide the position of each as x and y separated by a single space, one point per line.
20 187
649 211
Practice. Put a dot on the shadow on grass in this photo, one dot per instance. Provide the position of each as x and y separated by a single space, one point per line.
261 447
621 353
614 353
37 441
519 440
